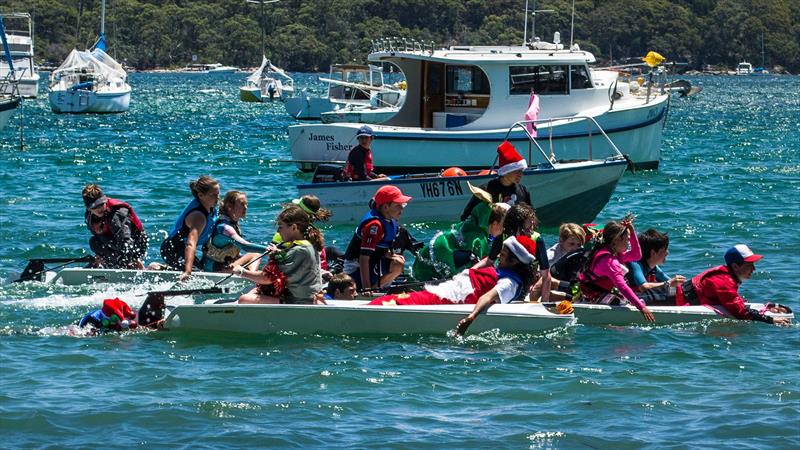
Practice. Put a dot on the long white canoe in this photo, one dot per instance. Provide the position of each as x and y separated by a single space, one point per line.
355 317
593 314
73 276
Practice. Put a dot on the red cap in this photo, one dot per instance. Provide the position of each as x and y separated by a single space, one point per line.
390 194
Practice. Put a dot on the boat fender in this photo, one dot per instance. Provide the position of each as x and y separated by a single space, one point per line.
454 172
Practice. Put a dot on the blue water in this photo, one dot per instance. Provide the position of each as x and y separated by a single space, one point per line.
730 173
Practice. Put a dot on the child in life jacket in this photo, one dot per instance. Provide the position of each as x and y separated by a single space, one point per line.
646 277
603 280
316 213
118 237
482 287
293 272
224 247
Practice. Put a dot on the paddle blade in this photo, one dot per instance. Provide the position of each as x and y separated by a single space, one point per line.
151 314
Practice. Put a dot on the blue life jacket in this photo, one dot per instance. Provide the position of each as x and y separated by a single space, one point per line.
180 228
390 228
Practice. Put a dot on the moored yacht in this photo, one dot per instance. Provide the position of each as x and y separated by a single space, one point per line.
90 81
267 83
460 98
9 96
744 68
19 34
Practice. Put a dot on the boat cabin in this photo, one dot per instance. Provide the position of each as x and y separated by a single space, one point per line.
477 87
348 77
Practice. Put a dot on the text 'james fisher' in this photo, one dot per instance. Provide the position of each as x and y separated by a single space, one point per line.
330 145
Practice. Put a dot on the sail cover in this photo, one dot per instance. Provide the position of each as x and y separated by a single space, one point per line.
96 61
265 68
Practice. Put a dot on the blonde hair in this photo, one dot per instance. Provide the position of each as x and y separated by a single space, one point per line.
230 199
571 230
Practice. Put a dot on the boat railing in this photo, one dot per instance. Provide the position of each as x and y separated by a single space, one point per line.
592 127
398 44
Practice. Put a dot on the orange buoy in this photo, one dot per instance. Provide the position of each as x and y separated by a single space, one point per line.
485 172
454 172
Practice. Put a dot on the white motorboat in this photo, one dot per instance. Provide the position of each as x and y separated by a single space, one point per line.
744 68
359 114
348 85
90 81
462 97
212 68
561 191
19 34
266 83
9 94
354 317
594 314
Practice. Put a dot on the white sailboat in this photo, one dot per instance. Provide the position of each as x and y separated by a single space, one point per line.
9 94
19 34
266 84
90 81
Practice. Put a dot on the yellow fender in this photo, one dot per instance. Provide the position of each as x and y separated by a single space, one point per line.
653 59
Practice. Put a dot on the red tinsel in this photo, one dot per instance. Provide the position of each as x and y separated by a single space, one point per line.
279 282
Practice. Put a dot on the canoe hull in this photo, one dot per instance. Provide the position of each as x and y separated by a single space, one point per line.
590 314
80 276
354 318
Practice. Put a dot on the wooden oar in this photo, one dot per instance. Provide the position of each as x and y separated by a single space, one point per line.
232 274
36 266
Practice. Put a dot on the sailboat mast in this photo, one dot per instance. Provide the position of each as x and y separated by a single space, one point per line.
103 18
762 50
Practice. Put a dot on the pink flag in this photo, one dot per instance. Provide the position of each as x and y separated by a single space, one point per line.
532 113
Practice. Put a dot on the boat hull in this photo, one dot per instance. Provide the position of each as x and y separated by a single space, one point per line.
75 276
573 192
7 108
355 318
637 132
250 94
359 115
82 101
591 314
307 108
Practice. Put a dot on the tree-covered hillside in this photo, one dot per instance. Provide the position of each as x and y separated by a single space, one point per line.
311 34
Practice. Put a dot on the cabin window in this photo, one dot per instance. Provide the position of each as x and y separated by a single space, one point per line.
579 78
544 80
466 80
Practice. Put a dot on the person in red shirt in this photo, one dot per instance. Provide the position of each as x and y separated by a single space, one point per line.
359 161
369 259
720 285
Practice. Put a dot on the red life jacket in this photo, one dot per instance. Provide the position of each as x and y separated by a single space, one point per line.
592 285
348 172
102 226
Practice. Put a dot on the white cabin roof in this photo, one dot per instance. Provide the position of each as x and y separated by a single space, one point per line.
487 54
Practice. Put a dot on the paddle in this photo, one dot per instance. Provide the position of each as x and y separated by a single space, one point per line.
232 274
151 313
36 266
400 286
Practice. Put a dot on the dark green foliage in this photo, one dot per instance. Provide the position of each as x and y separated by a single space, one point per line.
310 35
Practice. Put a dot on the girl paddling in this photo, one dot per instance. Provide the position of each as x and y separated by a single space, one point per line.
293 273
226 242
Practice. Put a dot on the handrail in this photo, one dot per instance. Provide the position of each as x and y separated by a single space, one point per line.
590 121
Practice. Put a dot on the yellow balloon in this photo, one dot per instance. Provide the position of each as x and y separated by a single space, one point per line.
653 59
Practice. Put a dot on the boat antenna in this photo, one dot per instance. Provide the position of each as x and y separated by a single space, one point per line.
525 29
263 21
572 26
103 18
533 25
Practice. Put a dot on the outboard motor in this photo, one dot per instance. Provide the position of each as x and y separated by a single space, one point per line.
328 173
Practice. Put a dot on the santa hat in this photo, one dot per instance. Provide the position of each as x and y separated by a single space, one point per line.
523 247
509 159
116 307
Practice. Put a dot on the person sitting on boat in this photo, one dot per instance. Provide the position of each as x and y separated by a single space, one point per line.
292 274
603 280
506 188
118 237
114 315
521 220
720 286
316 213
571 237
359 161
369 258
341 287
226 242
182 249
466 243
510 281
646 277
